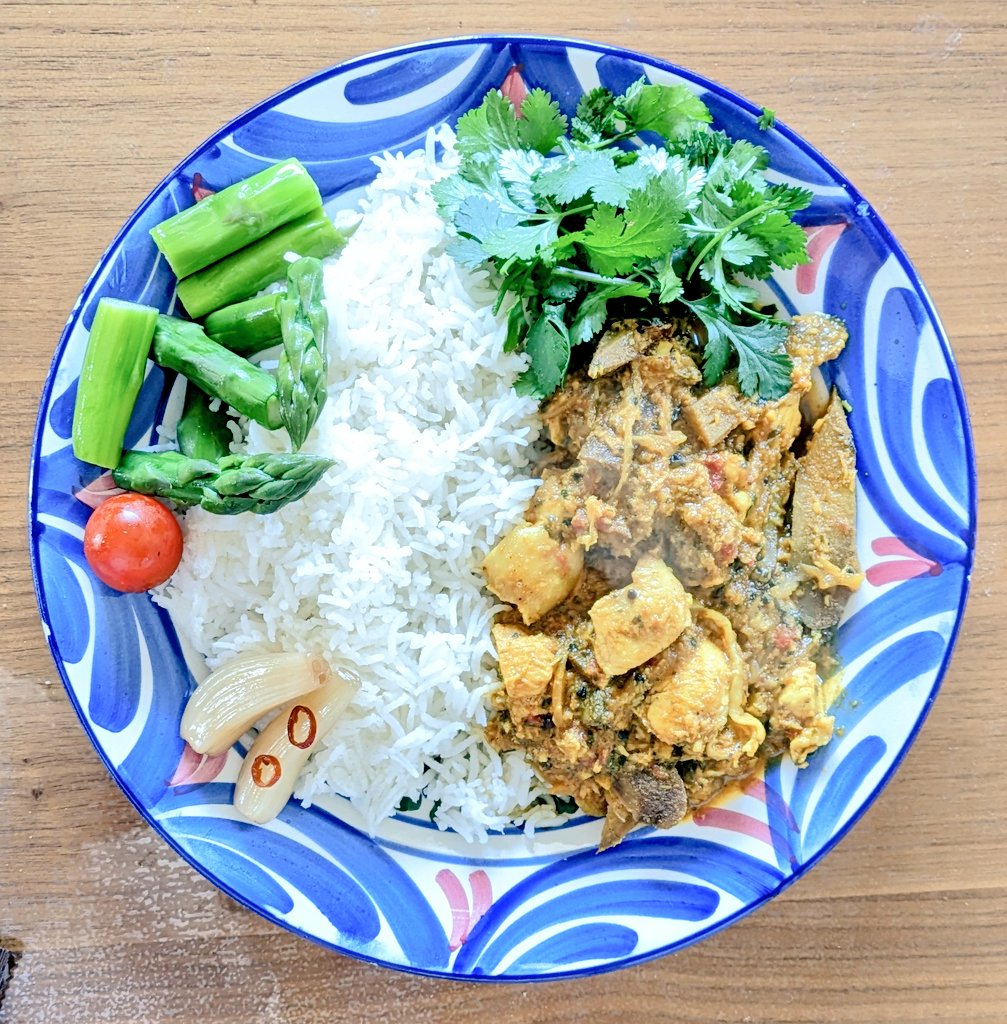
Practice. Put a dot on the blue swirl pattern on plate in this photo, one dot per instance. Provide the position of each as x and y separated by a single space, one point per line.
411 897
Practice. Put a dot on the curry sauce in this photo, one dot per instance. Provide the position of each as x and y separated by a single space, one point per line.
677 579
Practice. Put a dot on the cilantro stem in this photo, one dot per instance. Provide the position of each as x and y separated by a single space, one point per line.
725 231
587 275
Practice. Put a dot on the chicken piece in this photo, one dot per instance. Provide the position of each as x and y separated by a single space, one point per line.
532 571
633 624
653 796
527 664
689 707
713 416
801 712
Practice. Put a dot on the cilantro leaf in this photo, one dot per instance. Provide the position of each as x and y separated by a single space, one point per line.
648 227
466 251
479 216
763 365
488 128
516 326
549 348
767 119
541 124
594 116
570 177
740 249
451 192
516 168
520 241
669 282
593 310
669 110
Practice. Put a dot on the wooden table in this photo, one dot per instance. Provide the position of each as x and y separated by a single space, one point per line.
905 921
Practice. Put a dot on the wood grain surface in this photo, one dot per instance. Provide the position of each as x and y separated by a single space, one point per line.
905 921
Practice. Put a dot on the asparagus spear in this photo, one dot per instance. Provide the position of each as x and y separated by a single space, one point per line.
301 374
249 270
246 327
260 483
110 379
181 345
228 220
202 433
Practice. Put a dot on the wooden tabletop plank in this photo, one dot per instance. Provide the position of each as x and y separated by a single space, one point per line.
906 920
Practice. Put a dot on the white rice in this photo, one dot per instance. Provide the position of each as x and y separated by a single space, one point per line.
378 566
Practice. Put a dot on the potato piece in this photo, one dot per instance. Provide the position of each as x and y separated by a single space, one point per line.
690 708
633 624
712 417
527 664
532 571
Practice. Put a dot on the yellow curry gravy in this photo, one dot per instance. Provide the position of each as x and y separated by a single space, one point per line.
677 578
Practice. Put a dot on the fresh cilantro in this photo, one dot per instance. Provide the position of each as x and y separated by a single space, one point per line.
593 310
572 216
574 175
488 128
766 119
541 125
763 365
669 110
596 112
648 227
548 345
520 241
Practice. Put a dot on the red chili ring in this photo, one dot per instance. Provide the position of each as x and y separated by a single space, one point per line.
262 764
294 721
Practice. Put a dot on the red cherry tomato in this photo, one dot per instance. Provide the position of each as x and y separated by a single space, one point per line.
132 542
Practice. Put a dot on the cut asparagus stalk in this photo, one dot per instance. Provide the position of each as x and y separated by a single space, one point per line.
249 270
201 432
260 483
110 379
301 374
246 327
181 345
229 220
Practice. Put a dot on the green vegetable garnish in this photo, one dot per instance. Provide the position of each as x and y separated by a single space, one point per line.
246 327
241 214
767 119
573 216
261 483
301 374
249 270
182 346
202 433
110 379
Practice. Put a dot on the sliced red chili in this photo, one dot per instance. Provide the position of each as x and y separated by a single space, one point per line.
266 771
301 726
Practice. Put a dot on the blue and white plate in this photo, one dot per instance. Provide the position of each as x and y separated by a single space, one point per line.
421 900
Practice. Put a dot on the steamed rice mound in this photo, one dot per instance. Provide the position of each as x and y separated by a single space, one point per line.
377 568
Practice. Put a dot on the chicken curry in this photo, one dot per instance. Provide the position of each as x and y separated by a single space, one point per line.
674 587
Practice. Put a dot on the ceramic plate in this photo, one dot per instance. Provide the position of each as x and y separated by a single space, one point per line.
413 897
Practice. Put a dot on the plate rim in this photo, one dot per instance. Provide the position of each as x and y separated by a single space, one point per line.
810 151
